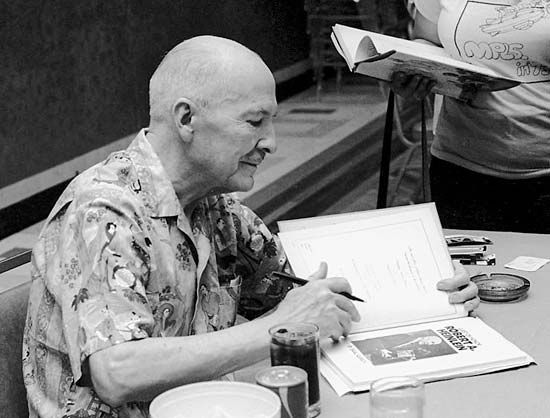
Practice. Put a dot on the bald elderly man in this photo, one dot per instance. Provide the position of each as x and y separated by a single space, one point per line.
138 270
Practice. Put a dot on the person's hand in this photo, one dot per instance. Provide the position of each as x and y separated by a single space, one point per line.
411 86
320 302
461 289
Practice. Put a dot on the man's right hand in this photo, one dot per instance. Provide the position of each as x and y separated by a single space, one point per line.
320 302
411 86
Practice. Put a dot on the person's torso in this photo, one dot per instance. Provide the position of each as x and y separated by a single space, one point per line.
504 133
191 287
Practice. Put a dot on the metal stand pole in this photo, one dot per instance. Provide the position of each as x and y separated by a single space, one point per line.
386 154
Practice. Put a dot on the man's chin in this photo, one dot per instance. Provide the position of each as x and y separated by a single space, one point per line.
239 185
246 187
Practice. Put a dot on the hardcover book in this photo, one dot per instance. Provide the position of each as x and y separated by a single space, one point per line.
380 56
393 259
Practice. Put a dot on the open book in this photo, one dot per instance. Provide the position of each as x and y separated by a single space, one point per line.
380 56
393 259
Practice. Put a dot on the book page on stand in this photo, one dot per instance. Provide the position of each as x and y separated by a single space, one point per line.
393 261
429 351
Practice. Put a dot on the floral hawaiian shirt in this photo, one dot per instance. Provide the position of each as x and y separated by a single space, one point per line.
118 260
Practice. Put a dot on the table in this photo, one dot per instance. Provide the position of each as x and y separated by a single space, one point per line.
523 392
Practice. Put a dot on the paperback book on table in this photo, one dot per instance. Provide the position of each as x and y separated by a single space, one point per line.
380 56
393 259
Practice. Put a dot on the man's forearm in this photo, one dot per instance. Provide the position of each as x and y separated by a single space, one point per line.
140 370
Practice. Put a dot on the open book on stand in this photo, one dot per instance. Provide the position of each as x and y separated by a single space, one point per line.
393 259
380 56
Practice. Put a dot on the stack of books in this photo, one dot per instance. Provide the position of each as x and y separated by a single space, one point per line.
470 249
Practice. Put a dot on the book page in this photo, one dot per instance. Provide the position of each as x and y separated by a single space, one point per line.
393 261
338 218
347 49
432 351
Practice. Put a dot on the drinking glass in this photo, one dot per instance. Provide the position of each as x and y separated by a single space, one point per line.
397 397
297 344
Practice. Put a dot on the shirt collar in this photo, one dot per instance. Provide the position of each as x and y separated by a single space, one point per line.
154 180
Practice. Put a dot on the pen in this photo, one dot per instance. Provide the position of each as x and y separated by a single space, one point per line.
302 282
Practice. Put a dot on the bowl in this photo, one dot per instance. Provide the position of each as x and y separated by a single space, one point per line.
219 399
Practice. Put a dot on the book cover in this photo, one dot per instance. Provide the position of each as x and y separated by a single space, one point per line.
432 351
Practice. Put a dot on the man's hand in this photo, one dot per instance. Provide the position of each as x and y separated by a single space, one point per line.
461 288
411 86
320 302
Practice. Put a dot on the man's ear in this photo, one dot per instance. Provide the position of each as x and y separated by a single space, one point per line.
183 112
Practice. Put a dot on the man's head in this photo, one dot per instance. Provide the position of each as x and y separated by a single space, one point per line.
215 98
430 340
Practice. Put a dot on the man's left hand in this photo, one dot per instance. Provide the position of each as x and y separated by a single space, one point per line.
460 288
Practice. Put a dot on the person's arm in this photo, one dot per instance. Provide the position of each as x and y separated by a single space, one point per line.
140 370
424 29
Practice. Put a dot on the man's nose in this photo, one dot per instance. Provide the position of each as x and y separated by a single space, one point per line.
268 142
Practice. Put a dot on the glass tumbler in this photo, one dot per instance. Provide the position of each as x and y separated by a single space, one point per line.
397 397
297 344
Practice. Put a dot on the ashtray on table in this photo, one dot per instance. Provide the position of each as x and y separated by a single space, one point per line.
501 287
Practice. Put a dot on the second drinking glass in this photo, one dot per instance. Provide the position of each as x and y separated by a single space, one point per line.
297 344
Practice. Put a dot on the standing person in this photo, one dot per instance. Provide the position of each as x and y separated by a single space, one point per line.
490 165
127 298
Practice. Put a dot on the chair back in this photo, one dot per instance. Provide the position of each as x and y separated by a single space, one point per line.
13 311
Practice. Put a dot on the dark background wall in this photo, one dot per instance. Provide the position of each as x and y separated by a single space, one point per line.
75 73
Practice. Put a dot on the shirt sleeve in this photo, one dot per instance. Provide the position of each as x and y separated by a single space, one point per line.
103 267
430 9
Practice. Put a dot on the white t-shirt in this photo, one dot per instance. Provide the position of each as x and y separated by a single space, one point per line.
504 133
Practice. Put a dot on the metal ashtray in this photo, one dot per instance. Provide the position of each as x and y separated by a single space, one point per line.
501 287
